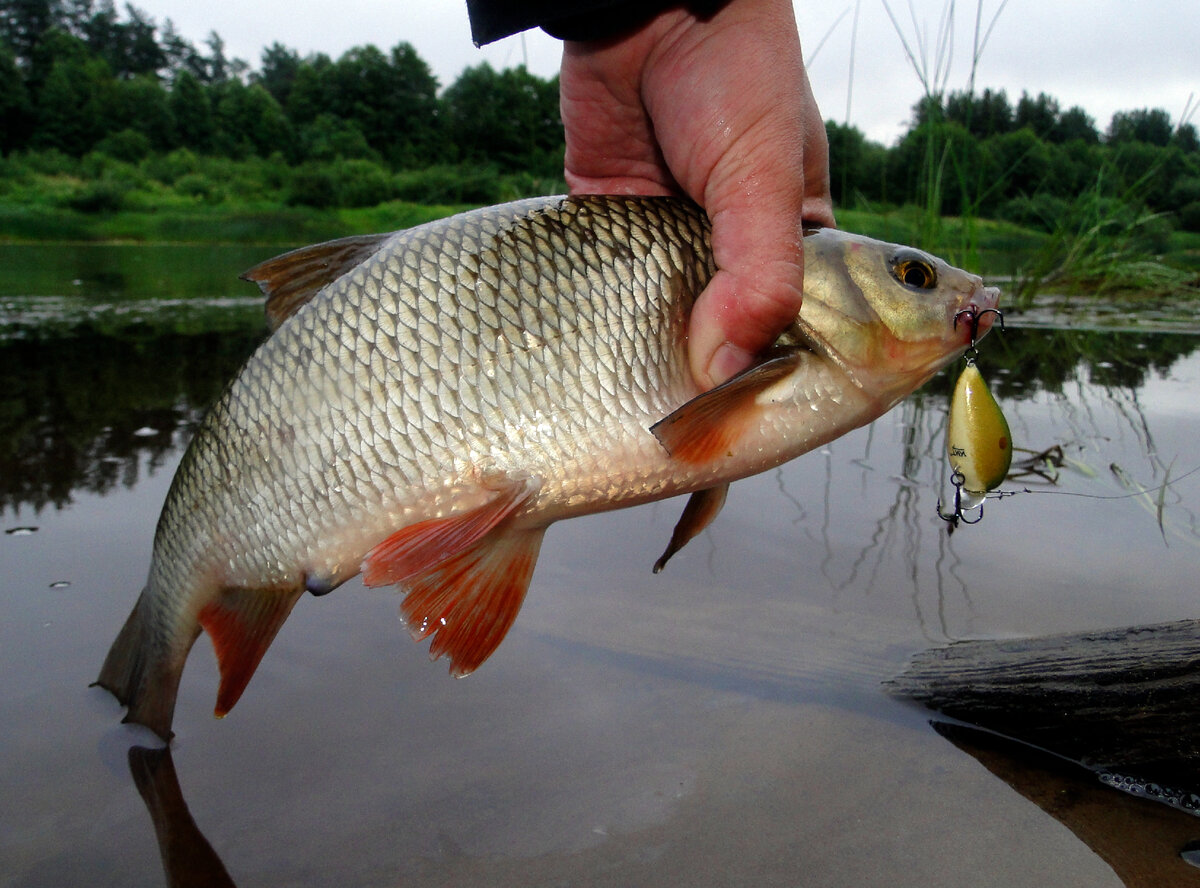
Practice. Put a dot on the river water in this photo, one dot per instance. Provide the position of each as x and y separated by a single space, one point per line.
723 723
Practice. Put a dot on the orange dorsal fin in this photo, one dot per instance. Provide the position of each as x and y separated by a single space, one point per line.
292 279
702 507
242 623
420 547
707 427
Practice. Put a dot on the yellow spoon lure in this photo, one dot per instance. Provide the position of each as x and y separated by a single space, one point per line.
978 441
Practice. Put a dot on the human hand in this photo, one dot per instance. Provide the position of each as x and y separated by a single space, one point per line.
720 110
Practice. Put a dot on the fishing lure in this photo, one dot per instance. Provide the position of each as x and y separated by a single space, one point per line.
978 441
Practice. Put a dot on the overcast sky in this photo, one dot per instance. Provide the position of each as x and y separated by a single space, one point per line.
1104 55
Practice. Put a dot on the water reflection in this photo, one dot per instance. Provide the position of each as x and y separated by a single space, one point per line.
91 410
188 859
654 729
1100 729
1147 845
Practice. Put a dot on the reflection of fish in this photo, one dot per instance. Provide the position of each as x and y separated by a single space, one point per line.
434 398
187 857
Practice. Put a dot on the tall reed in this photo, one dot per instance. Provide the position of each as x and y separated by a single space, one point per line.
930 55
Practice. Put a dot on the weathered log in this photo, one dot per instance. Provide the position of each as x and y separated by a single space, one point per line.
1122 701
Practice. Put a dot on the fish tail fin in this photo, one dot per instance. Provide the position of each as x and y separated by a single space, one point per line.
142 670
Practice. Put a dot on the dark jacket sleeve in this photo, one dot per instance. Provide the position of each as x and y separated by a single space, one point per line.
569 19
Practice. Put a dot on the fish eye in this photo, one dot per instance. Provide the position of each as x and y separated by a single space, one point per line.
913 270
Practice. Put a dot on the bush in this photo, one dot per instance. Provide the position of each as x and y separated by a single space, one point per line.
312 185
361 183
1043 212
449 185
105 195
1189 217
128 145
345 183
199 186
50 162
167 168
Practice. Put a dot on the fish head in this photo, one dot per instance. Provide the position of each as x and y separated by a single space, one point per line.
890 316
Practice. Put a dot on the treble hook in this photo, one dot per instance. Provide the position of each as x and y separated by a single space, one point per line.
975 314
960 512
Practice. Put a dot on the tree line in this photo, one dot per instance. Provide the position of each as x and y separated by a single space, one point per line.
982 155
77 77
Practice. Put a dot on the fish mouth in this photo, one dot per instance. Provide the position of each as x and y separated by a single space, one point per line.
977 313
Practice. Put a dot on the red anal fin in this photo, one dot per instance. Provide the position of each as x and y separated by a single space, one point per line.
421 547
469 601
707 427
242 623
702 507
291 280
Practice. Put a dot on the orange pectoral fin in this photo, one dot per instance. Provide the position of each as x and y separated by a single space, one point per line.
707 427
422 546
242 623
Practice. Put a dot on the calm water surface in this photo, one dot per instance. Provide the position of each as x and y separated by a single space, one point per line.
723 723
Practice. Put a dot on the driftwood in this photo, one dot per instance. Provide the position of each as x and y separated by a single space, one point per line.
1068 719
1123 701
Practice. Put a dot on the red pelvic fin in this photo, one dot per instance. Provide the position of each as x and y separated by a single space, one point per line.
702 507
420 547
707 427
470 601
242 624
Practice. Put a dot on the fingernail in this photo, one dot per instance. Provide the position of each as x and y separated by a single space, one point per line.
728 361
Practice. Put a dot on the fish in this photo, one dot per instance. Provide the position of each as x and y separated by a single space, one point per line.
431 400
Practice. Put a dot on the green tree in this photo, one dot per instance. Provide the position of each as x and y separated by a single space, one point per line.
1040 115
24 22
391 99
1077 124
311 91
509 118
857 167
987 114
143 105
278 73
248 120
1152 126
1185 139
192 114
75 103
16 112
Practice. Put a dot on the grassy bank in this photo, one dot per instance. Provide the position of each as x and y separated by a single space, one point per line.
1096 245
265 224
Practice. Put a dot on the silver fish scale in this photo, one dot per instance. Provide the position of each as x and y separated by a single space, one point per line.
537 340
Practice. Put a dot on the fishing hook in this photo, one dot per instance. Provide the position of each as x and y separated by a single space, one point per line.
975 314
960 513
